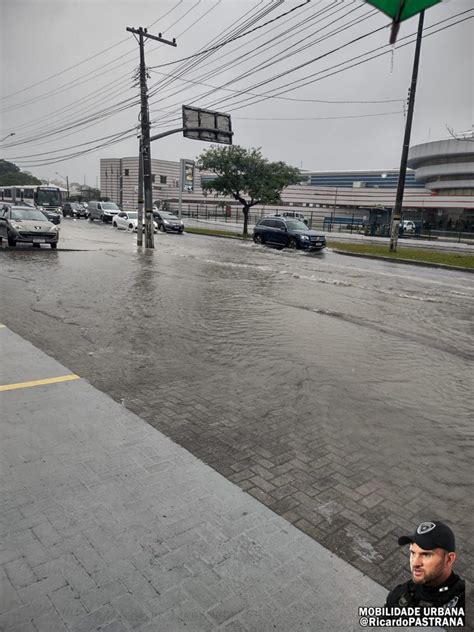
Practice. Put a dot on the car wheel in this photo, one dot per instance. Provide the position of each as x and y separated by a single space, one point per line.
292 243
11 241
101 218
114 224
54 246
161 227
258 238
130 226
36 245
91 219
181 231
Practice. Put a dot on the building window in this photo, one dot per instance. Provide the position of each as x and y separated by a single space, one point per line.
162 179
127 172
153 178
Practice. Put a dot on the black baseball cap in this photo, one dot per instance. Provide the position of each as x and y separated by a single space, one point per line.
431 535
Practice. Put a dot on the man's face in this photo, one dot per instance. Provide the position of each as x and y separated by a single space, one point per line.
430 567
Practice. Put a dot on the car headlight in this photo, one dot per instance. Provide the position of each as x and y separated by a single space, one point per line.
165 221
17 226
54 229
304 237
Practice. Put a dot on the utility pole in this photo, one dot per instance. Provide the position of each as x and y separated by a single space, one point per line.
145 136
140 195
397 211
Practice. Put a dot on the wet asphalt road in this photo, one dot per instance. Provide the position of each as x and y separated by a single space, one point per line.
336 390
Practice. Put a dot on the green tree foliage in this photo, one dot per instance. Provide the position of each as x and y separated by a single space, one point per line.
11 174
246 175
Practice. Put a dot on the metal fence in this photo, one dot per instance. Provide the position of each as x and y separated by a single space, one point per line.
319 220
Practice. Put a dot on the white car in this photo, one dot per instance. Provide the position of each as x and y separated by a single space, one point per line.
128 220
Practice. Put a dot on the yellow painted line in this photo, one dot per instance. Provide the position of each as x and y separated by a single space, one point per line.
2 326
49 380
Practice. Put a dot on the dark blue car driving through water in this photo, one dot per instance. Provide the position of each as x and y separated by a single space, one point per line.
287 232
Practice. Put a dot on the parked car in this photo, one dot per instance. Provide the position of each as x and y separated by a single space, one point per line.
168 222
287 232
74 209
408 226
104 211
129 221
292 214
25 224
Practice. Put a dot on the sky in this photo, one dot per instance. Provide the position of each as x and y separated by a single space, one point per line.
301 86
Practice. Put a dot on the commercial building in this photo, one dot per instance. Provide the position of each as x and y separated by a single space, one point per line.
439 190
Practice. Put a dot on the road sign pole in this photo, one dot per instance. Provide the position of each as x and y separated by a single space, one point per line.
396 213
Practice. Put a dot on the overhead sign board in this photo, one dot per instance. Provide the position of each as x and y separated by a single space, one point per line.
207 125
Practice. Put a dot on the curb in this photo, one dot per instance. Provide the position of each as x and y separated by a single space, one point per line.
426 264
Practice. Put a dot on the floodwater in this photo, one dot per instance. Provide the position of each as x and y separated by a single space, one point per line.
355 373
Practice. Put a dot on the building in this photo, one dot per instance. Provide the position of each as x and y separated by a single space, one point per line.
119 181
438 193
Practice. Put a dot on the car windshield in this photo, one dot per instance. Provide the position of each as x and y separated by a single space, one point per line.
168 216
295 224
110 206
132 215
33 214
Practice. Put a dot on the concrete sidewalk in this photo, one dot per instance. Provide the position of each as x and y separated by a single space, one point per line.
108 525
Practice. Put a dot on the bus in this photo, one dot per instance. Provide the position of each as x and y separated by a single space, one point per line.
47 197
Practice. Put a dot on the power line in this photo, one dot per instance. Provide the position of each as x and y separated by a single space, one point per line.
214 48
61 72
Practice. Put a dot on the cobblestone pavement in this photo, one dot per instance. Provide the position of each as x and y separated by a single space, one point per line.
334 392
108 525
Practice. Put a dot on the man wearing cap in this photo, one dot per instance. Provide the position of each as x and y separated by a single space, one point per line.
433 583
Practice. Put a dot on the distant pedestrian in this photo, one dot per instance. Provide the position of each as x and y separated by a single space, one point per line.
433 582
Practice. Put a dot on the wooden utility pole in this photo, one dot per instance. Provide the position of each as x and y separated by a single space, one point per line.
145 137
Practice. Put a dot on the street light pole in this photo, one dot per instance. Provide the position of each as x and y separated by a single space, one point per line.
396 214
67 181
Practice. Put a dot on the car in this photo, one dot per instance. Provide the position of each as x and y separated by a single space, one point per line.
53 216
408 226
104 211
74 209
287 232
25 224
292 214
168 222
128 220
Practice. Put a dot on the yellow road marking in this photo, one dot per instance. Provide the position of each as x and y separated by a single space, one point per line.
49 380
2 326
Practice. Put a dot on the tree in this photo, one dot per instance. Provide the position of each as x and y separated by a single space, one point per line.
11 174
246 176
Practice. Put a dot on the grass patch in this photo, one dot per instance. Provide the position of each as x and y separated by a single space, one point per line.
216 232
459 260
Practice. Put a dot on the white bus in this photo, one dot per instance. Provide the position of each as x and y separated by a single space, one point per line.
48 197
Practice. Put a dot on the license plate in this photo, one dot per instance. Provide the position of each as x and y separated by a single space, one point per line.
38 240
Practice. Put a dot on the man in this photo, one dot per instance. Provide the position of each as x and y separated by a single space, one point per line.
433 583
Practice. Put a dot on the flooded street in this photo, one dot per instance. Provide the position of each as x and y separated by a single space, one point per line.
336 390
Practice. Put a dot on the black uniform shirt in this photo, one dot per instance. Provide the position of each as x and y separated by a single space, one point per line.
452 594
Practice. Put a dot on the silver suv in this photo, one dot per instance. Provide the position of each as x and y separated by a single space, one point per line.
104 211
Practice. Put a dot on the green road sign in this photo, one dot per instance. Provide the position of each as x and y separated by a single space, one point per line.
400 10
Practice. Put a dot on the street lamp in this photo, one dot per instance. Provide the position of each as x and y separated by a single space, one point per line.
7 136
67 182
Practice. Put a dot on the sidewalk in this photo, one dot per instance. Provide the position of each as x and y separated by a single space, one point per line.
107 524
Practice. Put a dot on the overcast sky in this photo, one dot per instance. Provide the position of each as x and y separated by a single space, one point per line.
68 78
